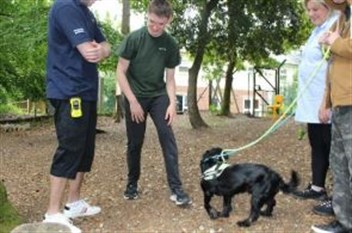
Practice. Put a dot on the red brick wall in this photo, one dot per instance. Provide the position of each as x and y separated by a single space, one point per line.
203 95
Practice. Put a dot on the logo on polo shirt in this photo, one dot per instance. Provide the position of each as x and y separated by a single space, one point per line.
163 49
78 31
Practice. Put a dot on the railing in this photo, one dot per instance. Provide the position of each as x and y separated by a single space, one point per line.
32 107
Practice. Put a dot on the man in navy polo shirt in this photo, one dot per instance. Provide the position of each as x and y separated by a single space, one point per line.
75 46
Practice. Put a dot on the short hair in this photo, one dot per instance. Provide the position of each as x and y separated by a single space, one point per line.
161 8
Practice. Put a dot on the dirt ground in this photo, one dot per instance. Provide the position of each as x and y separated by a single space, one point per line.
25 157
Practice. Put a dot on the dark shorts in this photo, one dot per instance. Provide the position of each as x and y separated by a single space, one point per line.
76 139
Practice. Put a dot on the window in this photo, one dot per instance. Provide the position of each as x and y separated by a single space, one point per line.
248 104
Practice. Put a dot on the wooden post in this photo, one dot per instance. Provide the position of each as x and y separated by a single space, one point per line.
100 94
28 106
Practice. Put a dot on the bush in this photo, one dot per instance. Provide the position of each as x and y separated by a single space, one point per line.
9 110
214 109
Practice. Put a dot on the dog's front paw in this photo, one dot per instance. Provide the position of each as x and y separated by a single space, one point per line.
213 214
266 213
244 223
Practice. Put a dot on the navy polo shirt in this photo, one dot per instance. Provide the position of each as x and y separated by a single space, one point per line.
68 74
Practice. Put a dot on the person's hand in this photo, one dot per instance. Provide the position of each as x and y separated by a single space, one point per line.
328 38
137 113
95 53
324 115
170 115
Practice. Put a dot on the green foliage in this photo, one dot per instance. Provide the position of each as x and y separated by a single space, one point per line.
139 5
214 109
246 30
109 89
114 38
9 109
23 48
9 218
3 95
233 32
214 71
301 133
108 67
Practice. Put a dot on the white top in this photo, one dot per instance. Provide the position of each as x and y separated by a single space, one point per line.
311 96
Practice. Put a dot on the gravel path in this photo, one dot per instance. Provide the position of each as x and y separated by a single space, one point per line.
25 157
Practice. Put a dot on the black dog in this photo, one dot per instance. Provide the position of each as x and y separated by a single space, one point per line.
260 181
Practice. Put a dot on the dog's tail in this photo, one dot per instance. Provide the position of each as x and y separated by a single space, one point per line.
292 184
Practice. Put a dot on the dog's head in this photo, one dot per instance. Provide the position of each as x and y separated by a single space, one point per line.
212 157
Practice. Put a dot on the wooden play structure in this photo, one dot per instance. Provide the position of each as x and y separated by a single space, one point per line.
273 108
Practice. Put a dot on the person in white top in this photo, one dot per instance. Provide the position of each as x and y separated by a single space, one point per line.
311 91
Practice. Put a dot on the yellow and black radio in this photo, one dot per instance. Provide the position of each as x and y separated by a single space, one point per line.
76 107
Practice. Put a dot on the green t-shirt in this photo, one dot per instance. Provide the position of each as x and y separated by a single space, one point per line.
149 56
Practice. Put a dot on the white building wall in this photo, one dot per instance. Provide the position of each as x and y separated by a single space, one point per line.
243 82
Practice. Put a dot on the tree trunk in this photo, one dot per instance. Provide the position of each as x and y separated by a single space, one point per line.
210 95
226 103
126 12
193 111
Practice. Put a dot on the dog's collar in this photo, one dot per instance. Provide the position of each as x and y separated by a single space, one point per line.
214 171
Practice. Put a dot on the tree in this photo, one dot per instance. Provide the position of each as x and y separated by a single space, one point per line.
239 31
234 32
126 13
203 39
278 29
24 48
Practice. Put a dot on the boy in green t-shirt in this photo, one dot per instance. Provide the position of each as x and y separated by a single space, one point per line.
146 55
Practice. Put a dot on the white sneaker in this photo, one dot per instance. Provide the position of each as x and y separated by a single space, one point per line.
80 209
61 219
180 198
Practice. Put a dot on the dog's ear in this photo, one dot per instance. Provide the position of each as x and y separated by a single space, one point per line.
212 152
206 154
216 150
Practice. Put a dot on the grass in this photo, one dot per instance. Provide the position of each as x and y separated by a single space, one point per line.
9 217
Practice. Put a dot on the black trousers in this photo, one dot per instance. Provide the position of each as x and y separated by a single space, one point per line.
320 139
156 107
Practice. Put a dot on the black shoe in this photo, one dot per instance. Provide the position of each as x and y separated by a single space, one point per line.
324 208
180 198
309 193
333 227
131 192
